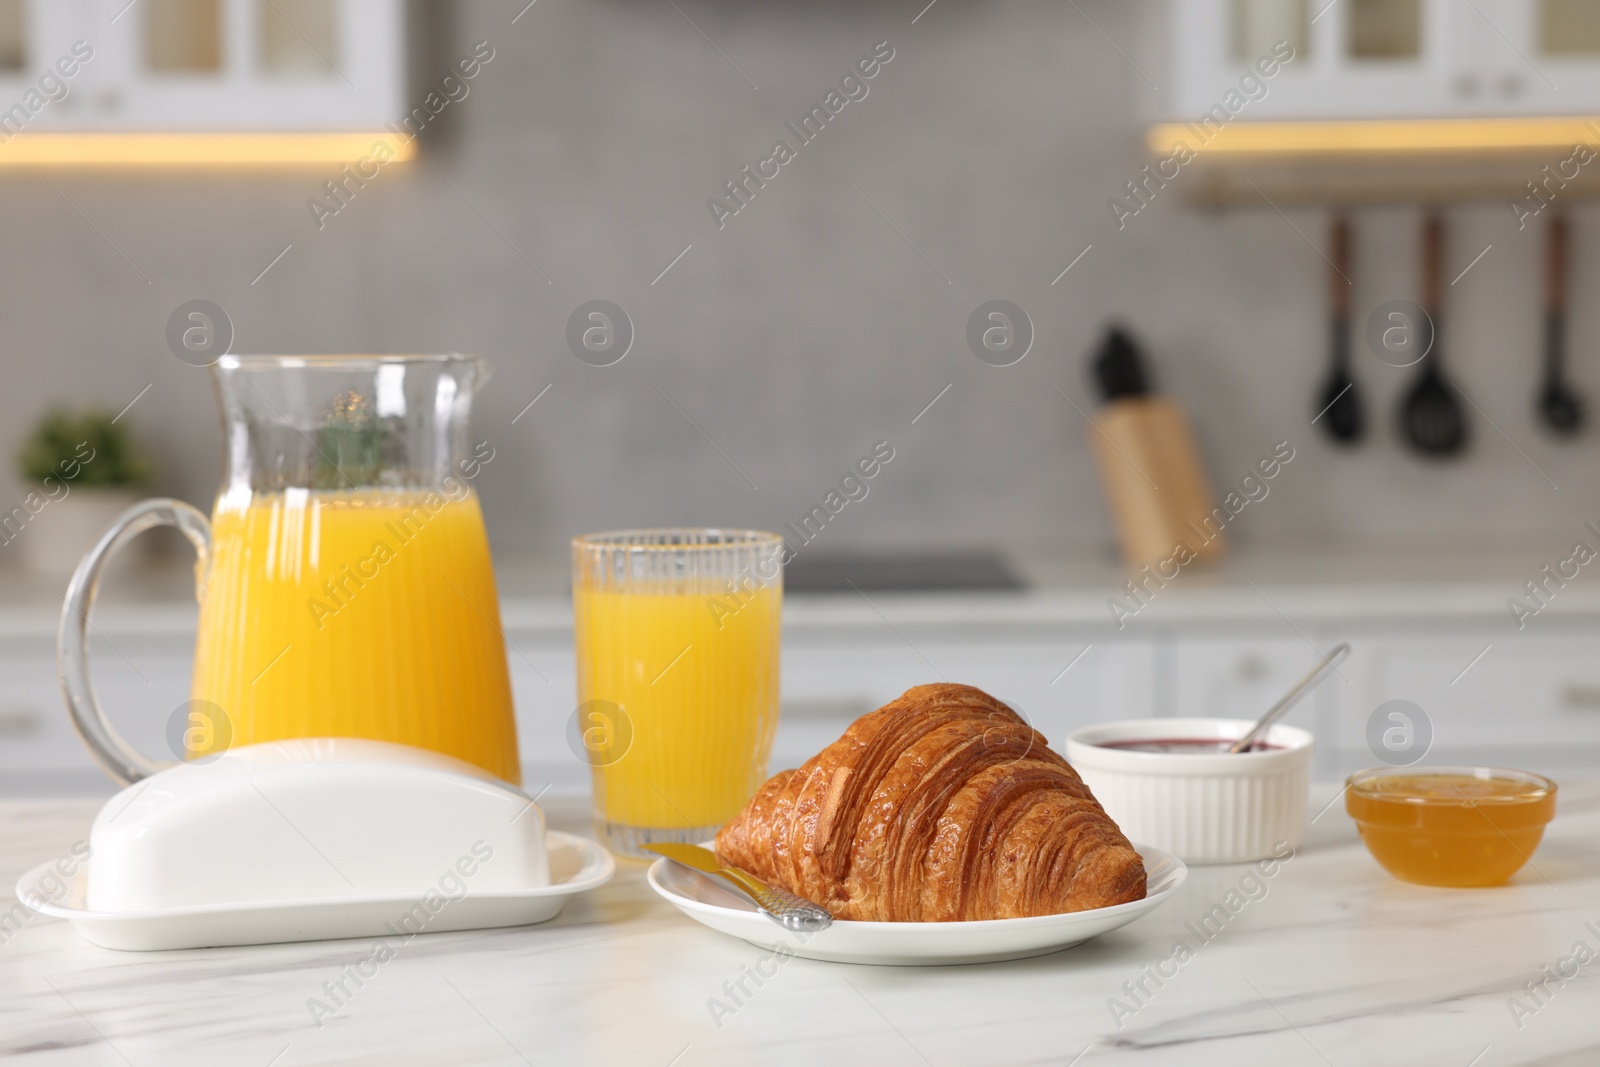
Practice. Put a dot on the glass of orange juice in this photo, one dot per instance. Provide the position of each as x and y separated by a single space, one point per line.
677 634
345 584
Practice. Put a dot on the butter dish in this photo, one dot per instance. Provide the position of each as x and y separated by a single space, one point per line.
316 839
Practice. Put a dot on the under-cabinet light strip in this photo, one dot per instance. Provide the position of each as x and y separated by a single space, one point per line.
52 149
1376 137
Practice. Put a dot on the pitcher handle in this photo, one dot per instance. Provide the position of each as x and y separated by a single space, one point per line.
108 747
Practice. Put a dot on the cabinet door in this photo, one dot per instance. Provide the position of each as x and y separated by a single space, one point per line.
141 681
1546 58
1352 58
1491 697
544 691
1056 684
831 678
35 732
34 38
1241 676
1360 58
241 65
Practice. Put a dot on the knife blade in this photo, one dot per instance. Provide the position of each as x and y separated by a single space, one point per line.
781 906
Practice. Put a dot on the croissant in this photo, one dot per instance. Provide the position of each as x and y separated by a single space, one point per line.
940 806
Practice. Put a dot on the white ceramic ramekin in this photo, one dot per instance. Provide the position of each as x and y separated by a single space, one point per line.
1202 808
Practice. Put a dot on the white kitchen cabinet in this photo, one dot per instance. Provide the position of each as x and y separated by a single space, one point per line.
1533 700
1490 694
34 730
1543 57
828 680
1058 683
141 681
544 690
1240 674
1383 59
204 65
1241 677
1217 42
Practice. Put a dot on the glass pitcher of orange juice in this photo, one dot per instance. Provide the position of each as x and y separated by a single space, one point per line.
344 577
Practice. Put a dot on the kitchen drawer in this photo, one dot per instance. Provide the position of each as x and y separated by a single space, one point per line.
1527 691
827 683
544 690
141 680
34 729
1057 685
1241 677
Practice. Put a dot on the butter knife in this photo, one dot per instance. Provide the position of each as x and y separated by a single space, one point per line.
779 905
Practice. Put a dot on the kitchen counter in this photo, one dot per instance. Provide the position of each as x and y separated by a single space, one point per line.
1431 628
1064 587
1330 961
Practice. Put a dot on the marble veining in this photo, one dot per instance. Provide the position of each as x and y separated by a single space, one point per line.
1329 961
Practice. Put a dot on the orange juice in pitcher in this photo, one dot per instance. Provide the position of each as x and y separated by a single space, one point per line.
357 613
345 580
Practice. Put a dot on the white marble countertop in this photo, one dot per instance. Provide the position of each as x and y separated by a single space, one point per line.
1334 963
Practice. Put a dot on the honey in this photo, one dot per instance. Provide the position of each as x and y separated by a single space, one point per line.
1451 826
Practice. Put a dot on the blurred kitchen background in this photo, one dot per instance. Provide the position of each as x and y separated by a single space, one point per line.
771 353
807 328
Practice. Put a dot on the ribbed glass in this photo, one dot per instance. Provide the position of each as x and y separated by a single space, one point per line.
677 637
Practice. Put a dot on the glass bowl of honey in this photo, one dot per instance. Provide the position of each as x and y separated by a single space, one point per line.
1450 826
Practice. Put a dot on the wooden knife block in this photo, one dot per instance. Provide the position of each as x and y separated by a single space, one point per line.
1158 491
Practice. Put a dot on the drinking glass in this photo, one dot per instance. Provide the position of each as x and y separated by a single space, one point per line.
677 635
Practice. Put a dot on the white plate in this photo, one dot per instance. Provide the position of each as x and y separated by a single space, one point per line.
912 944
576 865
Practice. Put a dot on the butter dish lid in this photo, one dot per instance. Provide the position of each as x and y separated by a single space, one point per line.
316 819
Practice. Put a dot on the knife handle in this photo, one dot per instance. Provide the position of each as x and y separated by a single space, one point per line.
789 911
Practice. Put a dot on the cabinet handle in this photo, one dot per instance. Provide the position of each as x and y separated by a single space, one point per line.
17 723
1577 697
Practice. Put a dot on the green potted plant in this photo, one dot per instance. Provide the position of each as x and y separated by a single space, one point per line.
79 469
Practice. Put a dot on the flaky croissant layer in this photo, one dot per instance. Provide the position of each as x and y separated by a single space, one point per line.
942 805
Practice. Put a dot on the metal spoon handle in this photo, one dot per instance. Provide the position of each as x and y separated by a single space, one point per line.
1292 697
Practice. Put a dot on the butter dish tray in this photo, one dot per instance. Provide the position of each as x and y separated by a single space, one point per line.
576 865
313 840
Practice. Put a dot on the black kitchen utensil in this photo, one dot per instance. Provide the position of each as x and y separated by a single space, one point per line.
1559 406
1119 368
1338 405
1431 417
